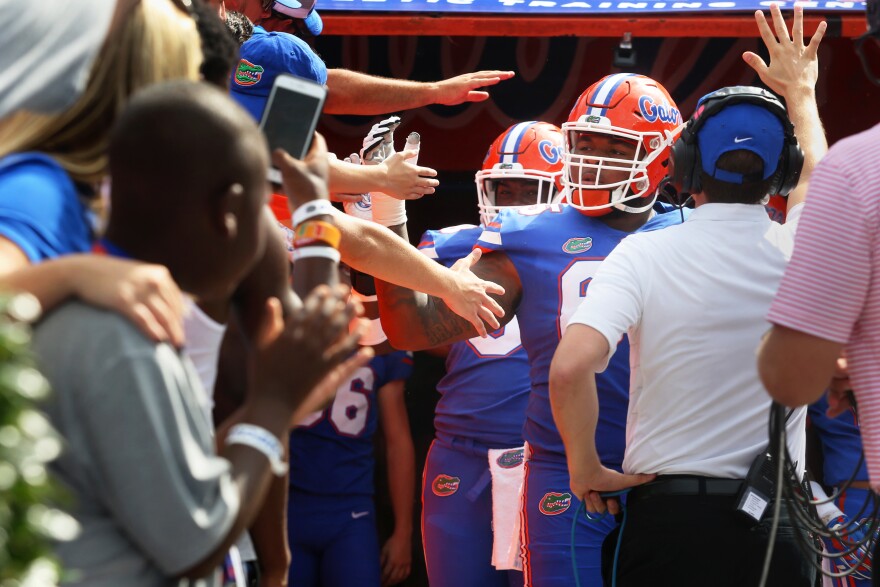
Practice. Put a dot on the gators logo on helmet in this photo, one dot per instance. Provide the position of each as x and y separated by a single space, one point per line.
553 504
445 485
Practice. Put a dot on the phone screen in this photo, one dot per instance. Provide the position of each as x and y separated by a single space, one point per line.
290 120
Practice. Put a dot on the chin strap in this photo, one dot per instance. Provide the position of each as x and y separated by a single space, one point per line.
632 210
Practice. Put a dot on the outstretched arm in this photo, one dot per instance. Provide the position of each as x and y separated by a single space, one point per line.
395 177
377 251
418 321
145 294
792 73
352 92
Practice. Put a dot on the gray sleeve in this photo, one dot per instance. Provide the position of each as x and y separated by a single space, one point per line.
154 455
48 48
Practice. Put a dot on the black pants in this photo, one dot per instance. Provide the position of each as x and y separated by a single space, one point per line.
700 540
875 575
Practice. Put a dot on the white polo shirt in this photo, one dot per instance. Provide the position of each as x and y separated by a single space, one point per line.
694 298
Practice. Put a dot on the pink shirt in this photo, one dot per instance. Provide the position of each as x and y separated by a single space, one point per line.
831 288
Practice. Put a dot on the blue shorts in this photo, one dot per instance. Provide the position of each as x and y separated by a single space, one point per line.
549 510
333 541
457 518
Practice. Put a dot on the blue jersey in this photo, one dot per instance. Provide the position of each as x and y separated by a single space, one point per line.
556 251
484 392
40 208
331 452
841 444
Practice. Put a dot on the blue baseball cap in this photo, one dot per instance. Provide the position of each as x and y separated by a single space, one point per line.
262 58
303 10
741 127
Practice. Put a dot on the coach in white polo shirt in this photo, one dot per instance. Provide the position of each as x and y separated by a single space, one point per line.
693 299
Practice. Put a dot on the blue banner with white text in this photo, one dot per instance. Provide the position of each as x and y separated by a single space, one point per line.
557 7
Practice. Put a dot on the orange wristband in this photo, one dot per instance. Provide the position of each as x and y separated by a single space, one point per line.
313 231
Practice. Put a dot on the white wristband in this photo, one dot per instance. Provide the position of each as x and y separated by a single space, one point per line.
263 441
312 209
387 211
316 251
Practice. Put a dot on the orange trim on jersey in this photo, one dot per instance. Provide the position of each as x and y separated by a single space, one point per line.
524 528
424 480
484 249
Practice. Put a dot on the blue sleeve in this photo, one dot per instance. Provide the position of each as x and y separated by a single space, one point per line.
399 366
40 209
449 244
501 233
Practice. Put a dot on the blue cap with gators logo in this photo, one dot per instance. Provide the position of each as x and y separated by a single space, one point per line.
263 57
740 127
303 10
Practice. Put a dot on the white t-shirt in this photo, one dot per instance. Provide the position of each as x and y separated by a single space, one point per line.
693 299
203 339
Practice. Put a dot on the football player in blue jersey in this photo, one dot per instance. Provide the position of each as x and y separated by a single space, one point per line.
616 153
331 514
484 392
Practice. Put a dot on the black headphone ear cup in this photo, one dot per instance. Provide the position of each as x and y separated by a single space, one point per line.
682 162
696 168
791 166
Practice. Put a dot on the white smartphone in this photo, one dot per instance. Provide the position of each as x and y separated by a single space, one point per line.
291 116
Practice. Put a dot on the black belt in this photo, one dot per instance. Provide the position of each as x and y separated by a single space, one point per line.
667 485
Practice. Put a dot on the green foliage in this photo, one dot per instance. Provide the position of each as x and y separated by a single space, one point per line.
27 444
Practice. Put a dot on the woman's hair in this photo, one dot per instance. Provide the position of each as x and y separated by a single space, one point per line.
157 43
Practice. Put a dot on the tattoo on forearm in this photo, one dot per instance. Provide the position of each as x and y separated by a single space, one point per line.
442 325
439 324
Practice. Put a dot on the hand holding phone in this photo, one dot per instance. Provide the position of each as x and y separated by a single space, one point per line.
304 179
291 116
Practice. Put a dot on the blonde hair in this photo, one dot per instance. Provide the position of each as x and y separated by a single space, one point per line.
157 43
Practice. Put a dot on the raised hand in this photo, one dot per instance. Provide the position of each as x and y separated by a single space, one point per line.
405 181
466 88
470 298
793 66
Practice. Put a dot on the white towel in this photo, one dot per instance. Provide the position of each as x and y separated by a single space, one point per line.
507 470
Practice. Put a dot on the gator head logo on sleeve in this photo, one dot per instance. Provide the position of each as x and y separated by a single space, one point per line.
554 503
578 245
445 485
510 459
247 73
